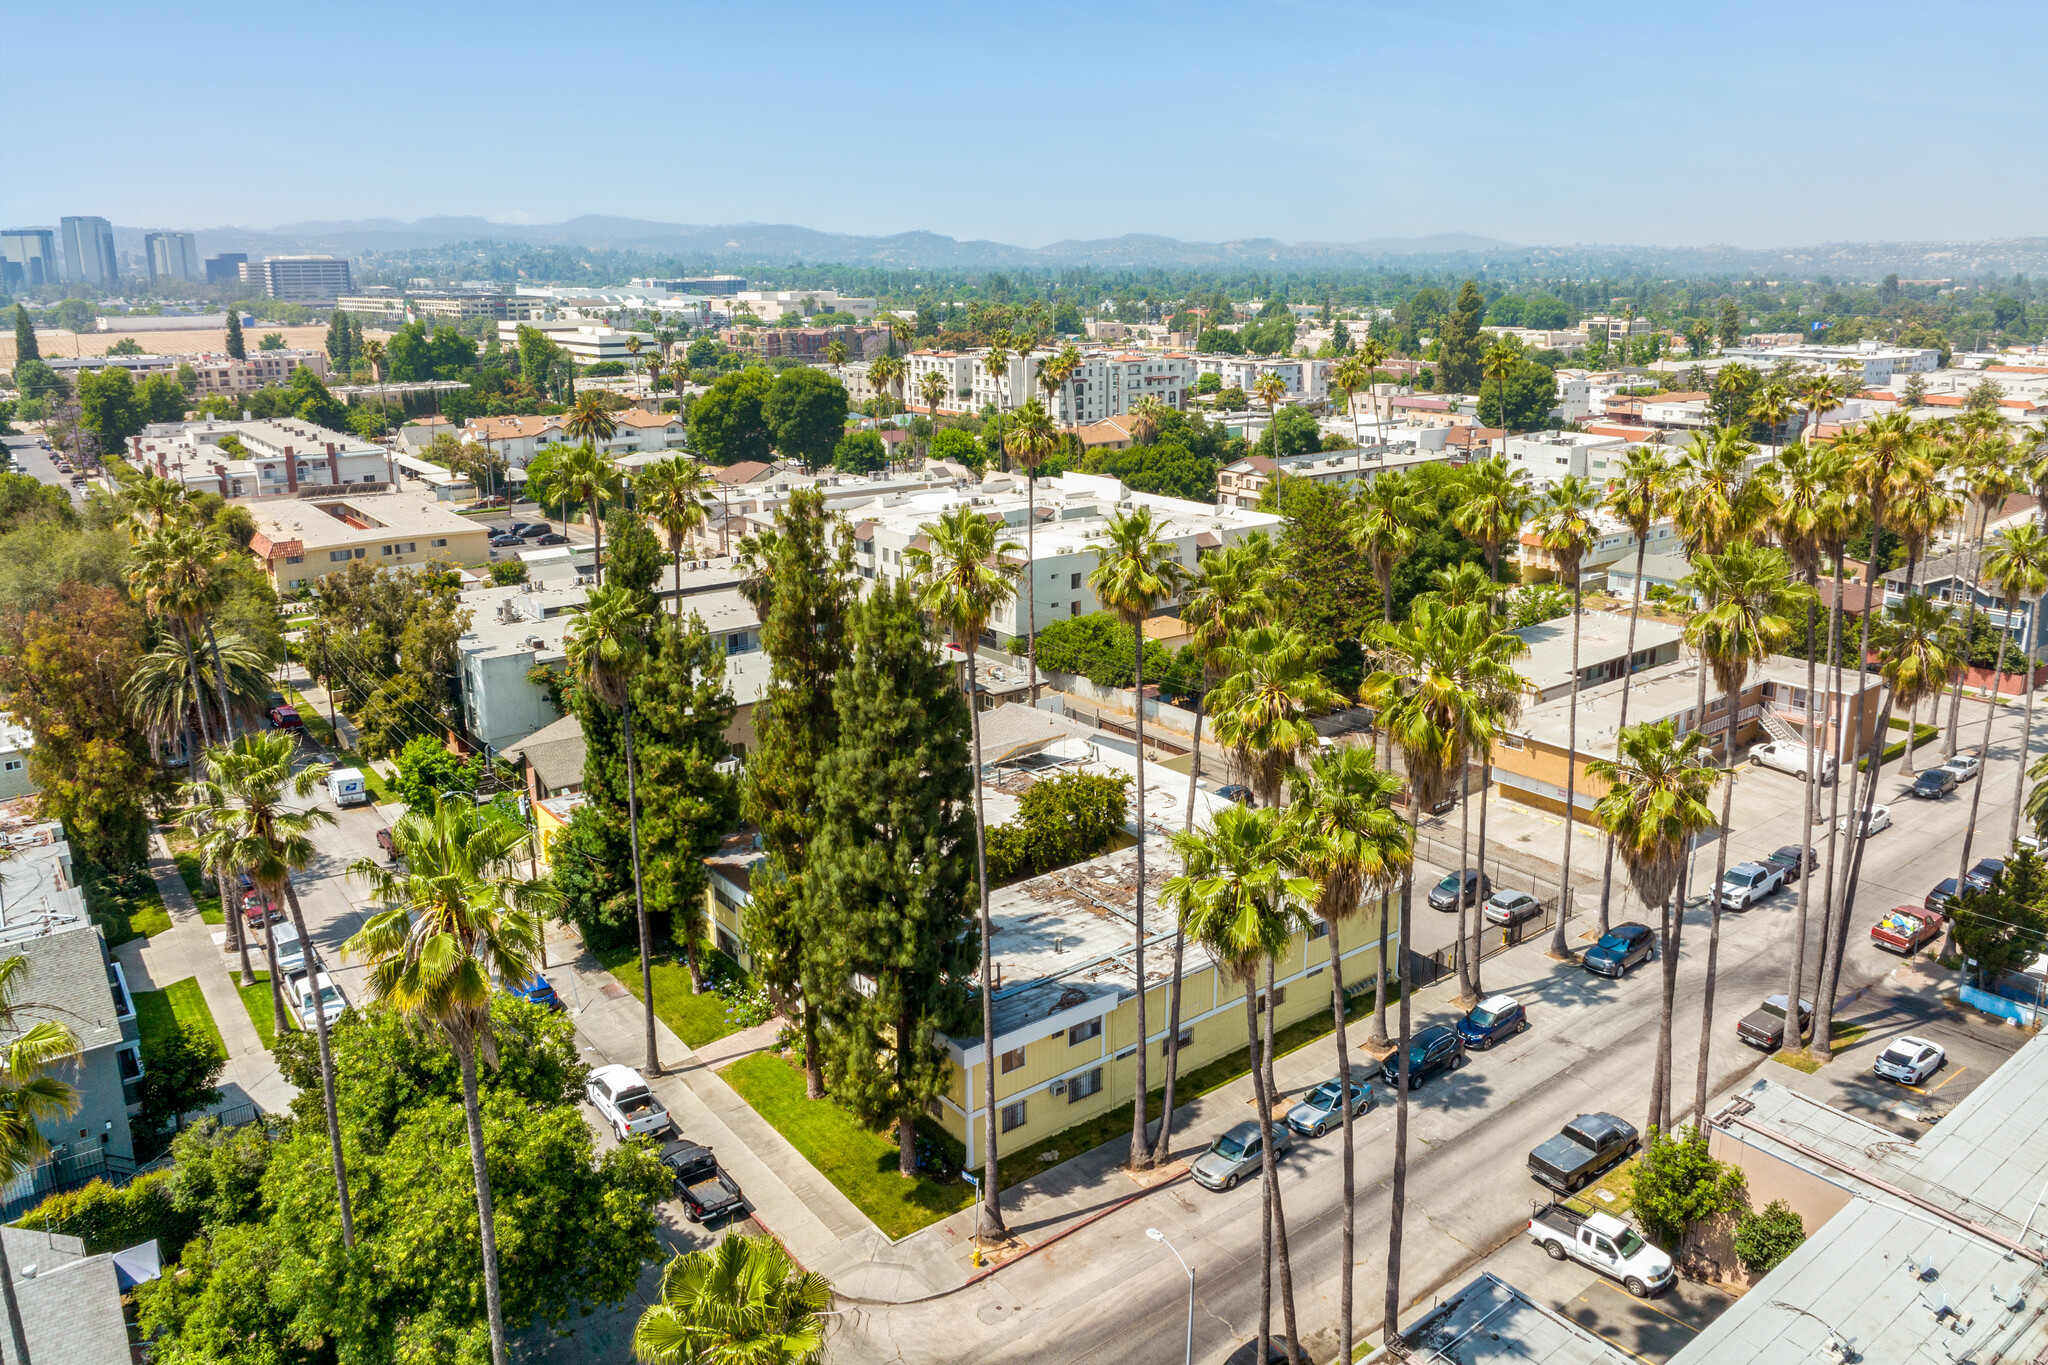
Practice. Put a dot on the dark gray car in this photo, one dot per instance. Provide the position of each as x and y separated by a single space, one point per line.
1236 1155
1445 894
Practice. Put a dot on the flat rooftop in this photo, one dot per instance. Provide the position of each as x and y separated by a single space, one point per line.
1603 636
1490 1322
347 519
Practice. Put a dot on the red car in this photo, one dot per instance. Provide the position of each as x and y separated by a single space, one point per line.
1907 929
259 911
286 718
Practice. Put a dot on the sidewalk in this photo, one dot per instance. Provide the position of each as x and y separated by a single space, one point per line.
192 947
316 697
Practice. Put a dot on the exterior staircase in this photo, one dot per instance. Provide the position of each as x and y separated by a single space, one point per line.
1776 728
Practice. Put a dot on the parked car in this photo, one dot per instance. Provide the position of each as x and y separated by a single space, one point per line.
1620 948
1605 1243
702 1185
1790 756
1905 930
292 954
1851 822
552 538
1965 765
257 912
1460 888
286 718
507 542
492 501
1764 1026
1588 1145
1236 1154
1937 900
331 1001
387 845
1909 1060
1237 792
530 528
622 1097
1748 883
1984 872
1492 1019
538 992
1433 1049
1317 1113
1933 784
1795 866
1511 907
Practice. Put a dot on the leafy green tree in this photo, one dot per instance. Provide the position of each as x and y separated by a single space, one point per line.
893 869
161 398
108 407
1731 322
311 402
805 410
33 378
425 768
414 356
955 445
2004 926
179 1072
1209 383
125 346
743 1300
729 424
1168 468
1294 430
1059 822
234 345
1678 1185
1531 395
270 341
1460 347
24 497
1763 1240
634 558
25 346
862 452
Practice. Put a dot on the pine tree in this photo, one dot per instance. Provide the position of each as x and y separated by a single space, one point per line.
803 586
633 558
25 347
892 872
1458 350
234 345
681 708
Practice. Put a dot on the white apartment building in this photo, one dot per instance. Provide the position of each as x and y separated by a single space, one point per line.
586 342
519 439
1574 395
1877 362
1307 380
1613 547
1547 456
770 305
1614 328
1106 383
279 458
1073 512
1241 483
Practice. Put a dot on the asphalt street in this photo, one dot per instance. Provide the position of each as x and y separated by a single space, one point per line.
29 457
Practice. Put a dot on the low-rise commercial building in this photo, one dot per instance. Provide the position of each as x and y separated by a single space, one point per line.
1873 362
298 540
587 343
772 305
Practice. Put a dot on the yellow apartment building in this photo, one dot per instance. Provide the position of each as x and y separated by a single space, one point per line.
298 540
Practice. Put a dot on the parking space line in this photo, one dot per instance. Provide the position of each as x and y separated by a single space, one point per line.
1650 1304
1951 1076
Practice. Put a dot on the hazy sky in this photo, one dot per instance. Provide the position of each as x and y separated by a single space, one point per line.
1773 124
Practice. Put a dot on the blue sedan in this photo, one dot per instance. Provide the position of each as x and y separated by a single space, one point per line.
539 992
1494 1018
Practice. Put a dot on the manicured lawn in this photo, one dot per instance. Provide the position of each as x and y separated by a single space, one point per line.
198 885
125 906
159 1013
256 1000
862 1164
1840 1036
314 720
696 1019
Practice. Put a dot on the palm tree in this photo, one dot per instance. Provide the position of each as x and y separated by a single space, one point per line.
672 492
1373 354
373 356
1031 437
743 1300
1923 649
1241 904
962 579
1356 843
1819 393
1497 365
996 364
2024 536
1263 708
1637 496
1656 803
161 698
1349 376
1773 406
589 477
1435 718
885 373
1495 501
29 1098
1747 600
835 356
456 919
1985 462
248 816
172 575
590 421
606 648
1564 525
1146 415
1269 388
932 388
1136 571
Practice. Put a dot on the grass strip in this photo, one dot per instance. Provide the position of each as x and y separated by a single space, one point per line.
1840 1035
256 1000
198 884
159 1014
124 904
696 1019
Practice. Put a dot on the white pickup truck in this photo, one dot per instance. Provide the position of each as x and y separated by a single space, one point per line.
1605 1243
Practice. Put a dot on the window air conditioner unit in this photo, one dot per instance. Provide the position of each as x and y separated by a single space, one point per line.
1058 1087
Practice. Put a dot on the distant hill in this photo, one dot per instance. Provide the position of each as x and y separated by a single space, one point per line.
768 244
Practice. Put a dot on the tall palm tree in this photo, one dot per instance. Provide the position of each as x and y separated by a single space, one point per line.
1819 393
1271 690
962 579
1423 700
606 648
1773 405
1356 843
1134 573
996 363
171 574
1269 388
589 420
1985 460
588 476
161 699
1747 599
1054 374
455 919
1146 415
1637 496
1564 525
835 356
673 493
743 1300
1658 784
2023 540
1923 647
248 815
1032 439
1245 909
1373 354
29 1098
1494 502
1497 365
932 388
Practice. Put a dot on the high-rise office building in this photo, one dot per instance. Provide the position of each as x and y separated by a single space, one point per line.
226 268
305 277
171 255
28 257
89 251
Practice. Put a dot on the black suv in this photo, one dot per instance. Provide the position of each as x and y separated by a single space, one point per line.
1620 948
1433 1049
1444 895
1795 867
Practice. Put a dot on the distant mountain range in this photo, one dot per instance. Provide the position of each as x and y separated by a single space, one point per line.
770 244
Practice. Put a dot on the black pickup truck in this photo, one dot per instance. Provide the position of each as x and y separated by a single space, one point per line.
701 1183
1588 1145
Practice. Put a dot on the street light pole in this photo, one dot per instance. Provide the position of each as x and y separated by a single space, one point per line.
1156 1235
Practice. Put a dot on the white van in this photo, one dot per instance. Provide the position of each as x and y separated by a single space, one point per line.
345 786
1790 756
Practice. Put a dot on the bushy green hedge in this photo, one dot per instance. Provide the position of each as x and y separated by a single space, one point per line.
1062 820
111 1218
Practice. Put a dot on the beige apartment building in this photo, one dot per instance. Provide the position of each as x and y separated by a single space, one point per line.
298 540
225 374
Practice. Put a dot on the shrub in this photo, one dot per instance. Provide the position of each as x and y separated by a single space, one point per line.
1059 822
1677 1184
1762 1240
111 1219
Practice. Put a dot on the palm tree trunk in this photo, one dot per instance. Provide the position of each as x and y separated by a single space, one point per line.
992 1205
220 682
1141 1153
1479 920
1378 1037
1390 1324
597 524
487 1224
1955 705
2019 777
1162 1146
639 898
16 1332
1273 1181
1824 1001
1350 1195
1628 681
1671 917
348 1222
1816 765
1977 787
1031 585
1832 723
1266 1167
279 1026
1699 1089
1468 962
678 554
184 634
237 923
1571 781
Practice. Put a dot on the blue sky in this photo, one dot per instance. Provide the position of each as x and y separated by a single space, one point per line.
1749 124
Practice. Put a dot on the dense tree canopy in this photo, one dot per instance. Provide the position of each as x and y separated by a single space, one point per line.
728 424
